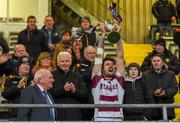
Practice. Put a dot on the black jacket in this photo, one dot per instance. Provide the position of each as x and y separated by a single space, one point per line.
34 41
55 35
11 92
62 97
136 92
163 11
167 81
85 70
88 38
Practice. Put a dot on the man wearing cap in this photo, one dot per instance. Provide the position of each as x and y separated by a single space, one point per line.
11 88
171 61
87 32
163 87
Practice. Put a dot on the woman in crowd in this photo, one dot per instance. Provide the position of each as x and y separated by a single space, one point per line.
44 61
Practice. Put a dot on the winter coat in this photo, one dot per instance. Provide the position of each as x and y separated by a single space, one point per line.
166 80
136 92
62 97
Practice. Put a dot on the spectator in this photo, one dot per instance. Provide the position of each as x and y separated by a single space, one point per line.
77 49
15 83
9 63
85 69
108 82
87 32
136 92
33 39
37 94
43 62
165 13
163 87
68 88
51 33
171 60
63 45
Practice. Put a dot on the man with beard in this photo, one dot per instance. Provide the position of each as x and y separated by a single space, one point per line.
108 82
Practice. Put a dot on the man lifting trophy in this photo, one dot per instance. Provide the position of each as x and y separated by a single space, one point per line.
114 28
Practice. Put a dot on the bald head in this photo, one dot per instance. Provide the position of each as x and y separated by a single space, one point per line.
20 50
90 53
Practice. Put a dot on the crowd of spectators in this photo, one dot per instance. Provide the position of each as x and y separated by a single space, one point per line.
49 67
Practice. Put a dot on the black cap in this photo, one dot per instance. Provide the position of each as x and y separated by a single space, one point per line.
161 42
22 60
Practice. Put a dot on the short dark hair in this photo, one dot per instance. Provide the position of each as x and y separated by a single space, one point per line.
133 65
31 17
109 59
160 56
66 31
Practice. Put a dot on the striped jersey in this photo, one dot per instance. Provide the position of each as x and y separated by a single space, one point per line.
108 92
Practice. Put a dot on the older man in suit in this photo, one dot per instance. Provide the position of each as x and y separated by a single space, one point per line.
37 94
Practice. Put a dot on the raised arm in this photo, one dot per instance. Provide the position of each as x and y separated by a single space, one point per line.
120 62
100 53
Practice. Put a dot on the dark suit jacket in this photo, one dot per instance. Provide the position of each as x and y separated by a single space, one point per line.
33 95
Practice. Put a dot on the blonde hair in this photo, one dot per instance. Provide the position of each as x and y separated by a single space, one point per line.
41 55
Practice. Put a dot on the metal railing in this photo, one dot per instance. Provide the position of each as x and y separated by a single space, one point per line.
163 106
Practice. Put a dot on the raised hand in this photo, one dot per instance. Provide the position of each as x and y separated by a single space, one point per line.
4 58
67 87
